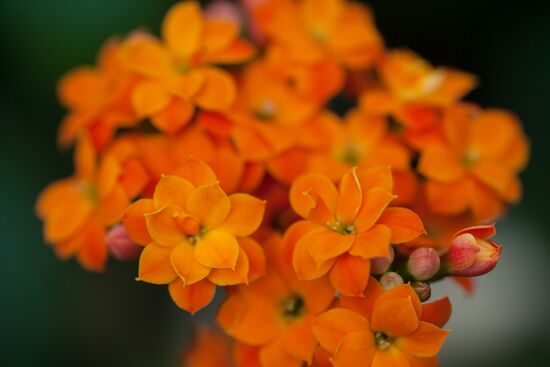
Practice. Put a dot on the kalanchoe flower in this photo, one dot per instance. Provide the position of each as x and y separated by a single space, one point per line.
423 263
120 245
470 254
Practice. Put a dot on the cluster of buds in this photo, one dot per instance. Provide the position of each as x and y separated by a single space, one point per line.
211 155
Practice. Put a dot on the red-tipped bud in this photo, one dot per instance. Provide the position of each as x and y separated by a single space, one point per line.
470 256
380 265
120 245
390 280
423 263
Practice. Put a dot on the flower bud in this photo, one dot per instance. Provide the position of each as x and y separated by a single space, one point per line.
469 255
390 280
224 11
120 245
423 263
380 265
423 290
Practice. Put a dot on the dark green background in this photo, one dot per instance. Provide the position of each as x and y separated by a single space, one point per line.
55 314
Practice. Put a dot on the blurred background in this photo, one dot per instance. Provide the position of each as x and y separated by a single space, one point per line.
55 314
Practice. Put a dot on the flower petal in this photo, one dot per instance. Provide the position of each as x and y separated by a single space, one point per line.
375 202
298 340
318 184
163 228
217 249
172 191
304 265
150 97
350 197
209 204
437 312
182 28
349 275
356 349
196 172
405 225
425 342
194 297
440 163
395 317
327 244
224 277
155 266
373 243
92 253
218 90
186 266
174 116
331 326
274 355
379 176
134 221
245 216
256 258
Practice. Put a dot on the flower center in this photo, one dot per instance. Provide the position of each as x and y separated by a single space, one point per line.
191 227
266 110
382 340
394 125
469 158
89 190
293 306
351 154
343 228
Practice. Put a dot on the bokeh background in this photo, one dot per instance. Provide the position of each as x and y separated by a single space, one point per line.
55 314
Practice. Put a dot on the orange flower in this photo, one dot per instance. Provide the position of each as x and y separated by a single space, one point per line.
195 236
276 312
383 329
98 98
77 210
476 166
177 75
312 30
345 228
413 94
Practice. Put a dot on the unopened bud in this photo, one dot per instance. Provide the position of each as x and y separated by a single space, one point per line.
380 265
470 256
423 263
423 290
224 11
390 280
120 245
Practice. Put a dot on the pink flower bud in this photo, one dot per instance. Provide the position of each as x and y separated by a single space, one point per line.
390 280
423 263
120 245
380 265
470 255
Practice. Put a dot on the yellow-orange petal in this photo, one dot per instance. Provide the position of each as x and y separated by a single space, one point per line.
327 244
182 28
147 56
209 204
299 341
449 198
196 172
239 51
405 225
217 249
219 34
174 116
373 243
437 312
92 253
350 274
440 163
245 216
394 317
256 258
150 97
375 202
331 326
425 342
107 175
350 197
274 355
65 219
163 228
218 90
111 208
194 297
318 184
85 158
392 357
172 191
155 266
364 305
403 291
379 176
304 264
186 266
134 221
225 277
356 349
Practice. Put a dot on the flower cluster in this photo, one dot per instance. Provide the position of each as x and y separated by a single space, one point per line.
278 149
